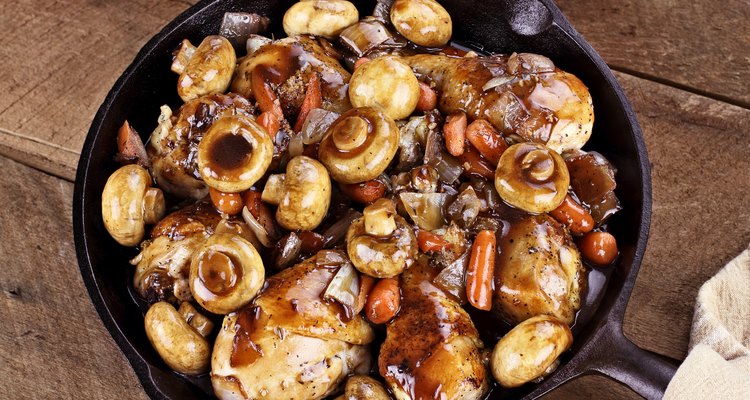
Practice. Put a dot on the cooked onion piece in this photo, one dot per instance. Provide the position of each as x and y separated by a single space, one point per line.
532 177
234 154
359 146
226 273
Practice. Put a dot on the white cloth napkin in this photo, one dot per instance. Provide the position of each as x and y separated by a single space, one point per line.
718 365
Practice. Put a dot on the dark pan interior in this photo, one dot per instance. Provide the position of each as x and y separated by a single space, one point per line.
498 26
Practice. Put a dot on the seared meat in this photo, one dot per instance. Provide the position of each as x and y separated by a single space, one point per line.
288 65
522 93
538 271
174 144
432 349
289 343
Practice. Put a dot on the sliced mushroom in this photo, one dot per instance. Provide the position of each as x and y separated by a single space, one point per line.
180 345
529 350
206 69
532 177
129 203
234 154
387 83
226 273
381 244
302 194
359 146
424 22
325 18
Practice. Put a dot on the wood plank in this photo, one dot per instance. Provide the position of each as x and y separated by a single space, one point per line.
701 174
700 156
701 44
52 343
59 59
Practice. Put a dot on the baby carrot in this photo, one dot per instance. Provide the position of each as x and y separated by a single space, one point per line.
480 272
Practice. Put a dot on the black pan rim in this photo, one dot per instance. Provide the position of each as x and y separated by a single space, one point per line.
142 369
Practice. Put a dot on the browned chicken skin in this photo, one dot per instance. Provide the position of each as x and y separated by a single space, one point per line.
432 349
287 65
289 343
522 93
174 144
538 271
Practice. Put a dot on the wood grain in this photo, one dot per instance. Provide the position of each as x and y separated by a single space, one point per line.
52 343
703 45
59 59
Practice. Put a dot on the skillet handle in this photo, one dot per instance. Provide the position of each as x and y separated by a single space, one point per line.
645 372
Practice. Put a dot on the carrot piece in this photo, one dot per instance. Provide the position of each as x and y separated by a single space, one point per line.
427 98
264 94
364 192
480 273
384 301
130 147
598 247
455 133
261 212
483 136
227 203
573 215
270 122
252 202
366 283
429 241
476 165
360 61
313 99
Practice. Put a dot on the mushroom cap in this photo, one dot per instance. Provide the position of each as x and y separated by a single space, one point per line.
226 273
531 347
532 177
123 204
359 145
306 194
381 257
234 154
387 83
424 22
209 70
325 18
178 344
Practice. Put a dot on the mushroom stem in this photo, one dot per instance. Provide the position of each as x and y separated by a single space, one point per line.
182 56
351 134
154 206
196 320
379 219
273 192
538 165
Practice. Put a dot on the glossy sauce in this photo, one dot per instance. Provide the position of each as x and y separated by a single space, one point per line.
244 349
229 152
219 273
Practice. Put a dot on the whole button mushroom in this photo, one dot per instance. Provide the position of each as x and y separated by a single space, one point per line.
532 177
129 203
234 154
325 18
302 194
424 22
529 350
381 244
363 387
181 345
226 273
387 83
359 145
206 69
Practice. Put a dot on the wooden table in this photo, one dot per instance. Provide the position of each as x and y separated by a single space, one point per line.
685 67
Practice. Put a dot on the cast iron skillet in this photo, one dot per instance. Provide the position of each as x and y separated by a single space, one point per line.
500 26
